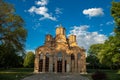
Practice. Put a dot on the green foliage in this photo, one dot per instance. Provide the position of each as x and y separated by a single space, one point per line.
92 57
93 62
29 60
115 12
109 53
12 36
11 27
9 58
95 49
118 72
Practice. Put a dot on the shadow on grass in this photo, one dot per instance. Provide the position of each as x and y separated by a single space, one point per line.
111 74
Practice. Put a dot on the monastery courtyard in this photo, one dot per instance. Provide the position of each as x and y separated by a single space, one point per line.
56 76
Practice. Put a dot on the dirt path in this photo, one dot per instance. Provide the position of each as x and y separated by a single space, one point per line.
53 76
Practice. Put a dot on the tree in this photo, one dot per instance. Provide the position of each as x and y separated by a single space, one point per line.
92 57
9 58
12 35
93 61
115 12
11 27
29 60
110 53
95 49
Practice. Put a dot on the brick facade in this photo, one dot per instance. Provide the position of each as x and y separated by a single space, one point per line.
60 54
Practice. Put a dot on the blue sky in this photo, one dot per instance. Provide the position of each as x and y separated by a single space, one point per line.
89 20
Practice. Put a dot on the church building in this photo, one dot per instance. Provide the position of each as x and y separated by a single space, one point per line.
60 54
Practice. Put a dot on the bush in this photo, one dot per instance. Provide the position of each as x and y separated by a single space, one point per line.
29 60
98 75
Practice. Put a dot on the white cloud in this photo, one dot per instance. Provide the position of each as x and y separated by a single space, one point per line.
93 12
57 26
86 39
32 9
110 22
58 11
101 25
42 2
37 25
107 23
112 33
42 10
101 29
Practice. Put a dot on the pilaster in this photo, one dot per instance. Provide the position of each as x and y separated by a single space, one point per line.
78 66
43 69
36 64
63 64
50 63
55 66
72 65
76 63
68 69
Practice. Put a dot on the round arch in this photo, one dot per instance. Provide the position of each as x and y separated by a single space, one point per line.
78 55
59 56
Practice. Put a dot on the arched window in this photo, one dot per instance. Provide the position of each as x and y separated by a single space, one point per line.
72 57
47 55
41 62
41 56
78 55
59 55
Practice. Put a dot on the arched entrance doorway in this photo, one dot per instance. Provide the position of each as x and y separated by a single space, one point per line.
47 62
59 62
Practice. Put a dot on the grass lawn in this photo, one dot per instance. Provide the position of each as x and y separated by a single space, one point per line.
19 73
111 74
15 73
